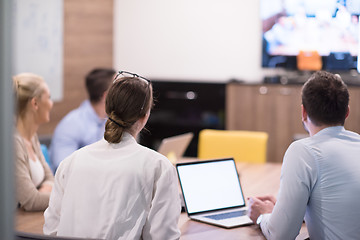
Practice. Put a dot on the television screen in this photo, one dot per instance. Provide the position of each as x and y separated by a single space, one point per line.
329 28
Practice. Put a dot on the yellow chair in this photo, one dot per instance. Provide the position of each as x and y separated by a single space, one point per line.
243 146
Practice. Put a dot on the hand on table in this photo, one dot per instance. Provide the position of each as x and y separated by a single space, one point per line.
260 205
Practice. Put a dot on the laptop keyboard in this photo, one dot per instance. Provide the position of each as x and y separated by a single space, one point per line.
227 215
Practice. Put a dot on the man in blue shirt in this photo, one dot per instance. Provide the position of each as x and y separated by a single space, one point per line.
320 176
86 124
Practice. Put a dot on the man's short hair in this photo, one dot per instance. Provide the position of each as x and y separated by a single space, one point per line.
98 82
325 98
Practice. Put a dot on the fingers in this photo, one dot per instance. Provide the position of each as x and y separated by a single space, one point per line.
254 199
268 198
260 205
254 208
253 202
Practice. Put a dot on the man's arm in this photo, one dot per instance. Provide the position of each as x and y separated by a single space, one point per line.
298 176
260 205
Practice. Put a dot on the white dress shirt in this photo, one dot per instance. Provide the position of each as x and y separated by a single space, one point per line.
115 191
320 179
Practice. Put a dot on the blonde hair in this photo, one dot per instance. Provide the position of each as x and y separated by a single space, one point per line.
26 86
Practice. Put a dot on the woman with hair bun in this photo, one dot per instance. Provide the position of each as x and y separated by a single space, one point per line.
34 179
116 188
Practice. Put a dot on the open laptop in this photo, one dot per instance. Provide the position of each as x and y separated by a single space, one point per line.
175 145
212 192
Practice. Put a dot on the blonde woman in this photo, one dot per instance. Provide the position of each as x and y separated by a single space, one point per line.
34 179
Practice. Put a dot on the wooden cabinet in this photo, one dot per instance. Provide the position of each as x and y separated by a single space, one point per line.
275 109
353 121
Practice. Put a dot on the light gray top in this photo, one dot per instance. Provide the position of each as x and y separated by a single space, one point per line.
320 179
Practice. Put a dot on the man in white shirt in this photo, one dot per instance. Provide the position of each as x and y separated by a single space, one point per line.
86 124
320 177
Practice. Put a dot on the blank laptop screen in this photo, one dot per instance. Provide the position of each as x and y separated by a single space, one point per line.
210 185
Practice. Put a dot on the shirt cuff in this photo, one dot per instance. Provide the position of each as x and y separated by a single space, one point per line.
258 220
264 219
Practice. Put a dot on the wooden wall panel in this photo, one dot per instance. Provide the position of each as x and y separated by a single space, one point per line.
88 43
275 109
353 121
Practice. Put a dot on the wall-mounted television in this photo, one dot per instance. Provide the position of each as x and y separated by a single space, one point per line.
327 27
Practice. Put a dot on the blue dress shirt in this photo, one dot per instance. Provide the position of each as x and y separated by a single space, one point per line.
320 179
78 128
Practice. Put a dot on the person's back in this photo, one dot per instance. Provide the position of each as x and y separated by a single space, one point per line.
116 183
78 128
116 188
320 176
333 157
85 124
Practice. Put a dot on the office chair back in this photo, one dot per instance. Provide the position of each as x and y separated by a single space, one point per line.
309 61
244 146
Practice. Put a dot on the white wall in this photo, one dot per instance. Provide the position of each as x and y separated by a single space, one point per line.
190 40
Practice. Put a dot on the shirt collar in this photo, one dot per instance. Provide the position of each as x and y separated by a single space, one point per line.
91 112
330 131
128 137
126 140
